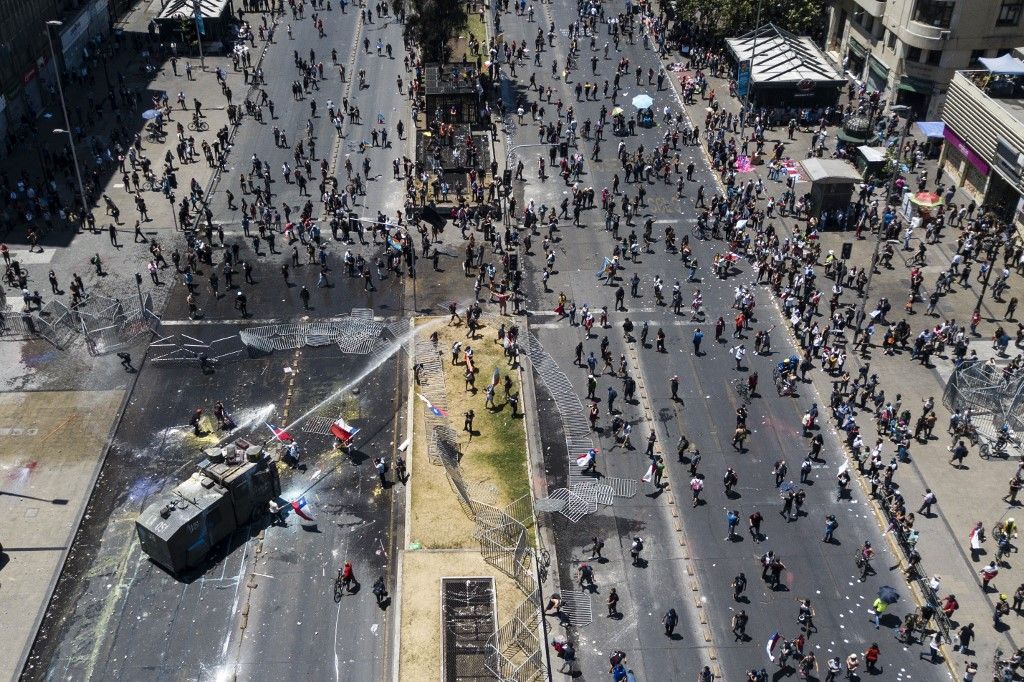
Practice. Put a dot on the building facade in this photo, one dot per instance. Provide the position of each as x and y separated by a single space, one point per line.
910 49
26 67
984 140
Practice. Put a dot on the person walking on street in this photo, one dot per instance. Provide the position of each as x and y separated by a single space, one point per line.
568 655
988 574
739 624
871 658
878 607
595 548
670 621
833 667
927 500
830 528
739 584
613 604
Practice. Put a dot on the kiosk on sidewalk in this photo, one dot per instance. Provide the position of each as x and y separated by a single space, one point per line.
832 183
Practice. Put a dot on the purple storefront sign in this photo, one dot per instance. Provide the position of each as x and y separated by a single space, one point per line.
961 146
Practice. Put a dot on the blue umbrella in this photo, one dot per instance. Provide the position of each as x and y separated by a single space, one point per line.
888 594
150 114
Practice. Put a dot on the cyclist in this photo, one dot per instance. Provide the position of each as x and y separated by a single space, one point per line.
864 556
347 576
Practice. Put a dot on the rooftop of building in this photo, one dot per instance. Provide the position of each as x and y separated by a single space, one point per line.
450 79
1006 90
778 56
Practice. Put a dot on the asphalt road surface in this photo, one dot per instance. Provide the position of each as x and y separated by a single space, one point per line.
115 614
824 573
124 617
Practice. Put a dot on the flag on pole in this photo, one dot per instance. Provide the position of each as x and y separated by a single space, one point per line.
603 272
343 431
279 434
770 646
434 409
301 508
200 24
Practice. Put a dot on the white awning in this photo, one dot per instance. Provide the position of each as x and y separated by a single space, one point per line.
830 171
1007 64
779 56
872 154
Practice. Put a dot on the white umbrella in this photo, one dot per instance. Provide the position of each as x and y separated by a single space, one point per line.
642 101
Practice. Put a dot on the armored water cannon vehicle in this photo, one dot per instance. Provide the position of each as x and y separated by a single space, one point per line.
231 487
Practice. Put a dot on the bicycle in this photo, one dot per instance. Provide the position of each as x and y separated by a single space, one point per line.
339 588
543 559
742 390
198 125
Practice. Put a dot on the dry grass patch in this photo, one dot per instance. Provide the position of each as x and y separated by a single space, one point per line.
420 657
436 521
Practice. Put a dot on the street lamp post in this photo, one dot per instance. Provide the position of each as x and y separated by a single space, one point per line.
67 122
750 77
988 274
174 214
897 109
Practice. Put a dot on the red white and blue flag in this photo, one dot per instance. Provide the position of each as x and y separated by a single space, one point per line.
585 459
770 646
343 431
301 508
279 434
434 409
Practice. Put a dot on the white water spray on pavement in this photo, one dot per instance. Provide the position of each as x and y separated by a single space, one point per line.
379 359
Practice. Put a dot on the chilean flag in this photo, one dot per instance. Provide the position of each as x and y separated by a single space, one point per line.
770 646
584 459
434 409
343 431
301 508
279 434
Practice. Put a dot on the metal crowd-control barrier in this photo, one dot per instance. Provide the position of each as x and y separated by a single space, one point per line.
357 333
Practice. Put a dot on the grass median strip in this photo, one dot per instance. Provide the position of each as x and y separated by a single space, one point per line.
493 465
493 455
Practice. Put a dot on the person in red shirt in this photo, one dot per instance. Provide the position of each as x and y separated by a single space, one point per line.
950 605
871 656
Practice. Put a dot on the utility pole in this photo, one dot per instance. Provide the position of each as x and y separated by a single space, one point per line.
67 121
750 76
200 30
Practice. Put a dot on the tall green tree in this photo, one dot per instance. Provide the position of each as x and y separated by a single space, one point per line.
433 23
732 17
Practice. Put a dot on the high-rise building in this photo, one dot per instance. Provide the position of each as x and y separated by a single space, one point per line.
26 66
910 49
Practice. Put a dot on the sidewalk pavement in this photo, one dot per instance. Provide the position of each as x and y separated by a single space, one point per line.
944 543
65 252
54 436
